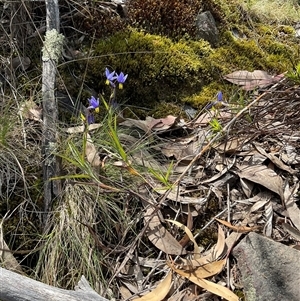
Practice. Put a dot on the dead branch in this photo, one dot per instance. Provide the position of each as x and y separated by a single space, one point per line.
15 287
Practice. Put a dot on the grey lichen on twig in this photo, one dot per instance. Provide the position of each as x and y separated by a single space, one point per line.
53 45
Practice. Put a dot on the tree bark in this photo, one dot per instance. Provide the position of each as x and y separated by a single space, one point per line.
15 287
51 52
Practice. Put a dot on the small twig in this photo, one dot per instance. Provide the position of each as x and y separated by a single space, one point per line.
228 219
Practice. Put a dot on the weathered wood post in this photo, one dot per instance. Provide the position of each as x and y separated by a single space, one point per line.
51 52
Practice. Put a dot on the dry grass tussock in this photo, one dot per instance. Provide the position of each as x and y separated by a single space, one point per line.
269 11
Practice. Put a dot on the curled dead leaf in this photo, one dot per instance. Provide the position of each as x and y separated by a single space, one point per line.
239 229
264 176
290 204
91 152
214 253
160 292
204 271
197 276
189 234
160 236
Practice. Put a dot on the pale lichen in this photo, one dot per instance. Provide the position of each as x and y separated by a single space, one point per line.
53 46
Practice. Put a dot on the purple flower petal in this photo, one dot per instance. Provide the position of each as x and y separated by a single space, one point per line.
93 103
91 119
121 78
110 76
219 96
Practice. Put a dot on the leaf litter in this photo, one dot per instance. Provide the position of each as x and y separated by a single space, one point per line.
222 186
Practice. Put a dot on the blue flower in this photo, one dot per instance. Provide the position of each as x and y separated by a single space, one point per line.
91 118
216 103
110 77
219 96
94 104
121 78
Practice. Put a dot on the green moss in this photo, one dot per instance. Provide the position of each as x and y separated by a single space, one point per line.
164 109
190 71
207 94
159 69
289 30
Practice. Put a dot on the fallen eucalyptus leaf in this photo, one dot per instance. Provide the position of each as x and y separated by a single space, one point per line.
214 253
251 80
264 176
204 271
269 219
160 292
159 236
212 287
291 206
239 229
190 235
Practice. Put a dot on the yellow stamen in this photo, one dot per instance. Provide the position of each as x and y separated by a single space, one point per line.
82 117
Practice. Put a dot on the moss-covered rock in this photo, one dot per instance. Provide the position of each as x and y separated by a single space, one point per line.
159 69
164 67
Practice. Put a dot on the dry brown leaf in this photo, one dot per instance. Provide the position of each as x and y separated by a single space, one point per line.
216 289
218 250
247 187
190 235
232 145
163 123
140 124
81 128
275 160
159 236
269 219
30 110
264 176
292 231
151 123
196 276
204 271
176 196
185 148
124 292
258 205
206 117
184 241
251 80
7 258
291 206
221 173
214 253
160 292
239 229
91 152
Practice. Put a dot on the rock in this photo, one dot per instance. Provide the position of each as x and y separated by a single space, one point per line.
206 28
297 30
270 270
